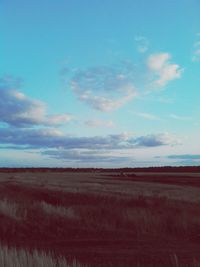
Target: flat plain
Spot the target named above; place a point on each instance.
(99, 218)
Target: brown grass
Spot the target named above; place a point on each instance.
(12, 257)
(100, 230)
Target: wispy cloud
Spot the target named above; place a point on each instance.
(162, 69)
(142, 44)
(147, 116)
(185, 156)
(18, 110)
(99, 123)
(180, 118)
(104, 88)
(196, 49)
(105, 104)
(108, 88)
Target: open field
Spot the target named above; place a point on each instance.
(100, 218)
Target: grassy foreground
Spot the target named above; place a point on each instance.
(46, 227)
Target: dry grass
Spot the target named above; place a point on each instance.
(12, 257)
(12, 209)
(8, 208)
(196, 263)
(68, 223)
(60, 211)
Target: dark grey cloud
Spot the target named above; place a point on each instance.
(18, 110)
(155, 140)
(85, 156)
(53, 138)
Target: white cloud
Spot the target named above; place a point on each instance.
(99, 123)
(142, 44)
(162, 69)
(157, 61)
(18, 110)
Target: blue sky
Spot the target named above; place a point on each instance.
(106, 83)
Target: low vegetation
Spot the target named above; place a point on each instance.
(55, 227)
(12, 257)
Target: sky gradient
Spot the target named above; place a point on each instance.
(106, 83)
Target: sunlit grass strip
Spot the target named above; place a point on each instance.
(59, 210)
(12, 257)
(9, 209)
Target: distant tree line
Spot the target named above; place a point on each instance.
(147, 169)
